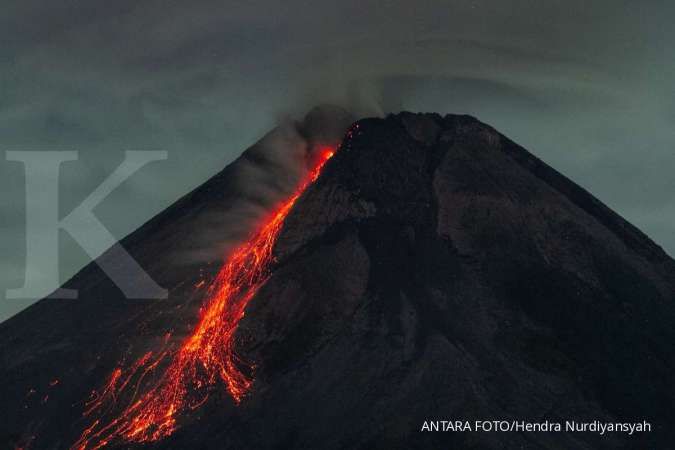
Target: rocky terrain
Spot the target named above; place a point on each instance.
(435, 271)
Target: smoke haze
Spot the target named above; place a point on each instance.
(586, 86)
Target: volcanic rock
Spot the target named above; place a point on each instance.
(434, 271)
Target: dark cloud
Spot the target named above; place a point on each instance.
(587, 86)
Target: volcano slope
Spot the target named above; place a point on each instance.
(434, 271)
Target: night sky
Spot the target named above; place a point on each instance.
(588, 86)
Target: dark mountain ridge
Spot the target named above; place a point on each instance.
(435, 271)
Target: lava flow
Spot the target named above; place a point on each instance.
(206, 358)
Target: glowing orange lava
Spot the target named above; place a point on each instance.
(205, 359)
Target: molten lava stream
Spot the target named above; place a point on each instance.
(206, 358)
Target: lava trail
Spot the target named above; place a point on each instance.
(205, 359)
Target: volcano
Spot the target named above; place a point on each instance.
(419, 268)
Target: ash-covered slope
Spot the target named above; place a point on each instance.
(434, 271)
(56, 352)
(437, 270)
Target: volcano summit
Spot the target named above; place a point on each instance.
(430, 270)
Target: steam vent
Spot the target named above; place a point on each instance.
(417, 267)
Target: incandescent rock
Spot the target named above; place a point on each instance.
(434, 271)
